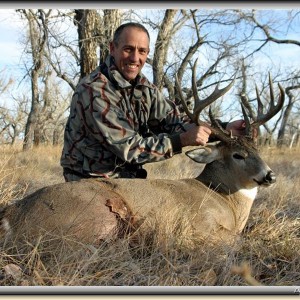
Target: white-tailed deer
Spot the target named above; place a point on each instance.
(216, 203)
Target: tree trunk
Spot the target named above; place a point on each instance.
(161, 47)
(32, 121)
(55, 139)
(37, 44)
(86, 20)
(111, 21)
(284, 121)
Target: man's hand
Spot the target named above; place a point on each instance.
(195, 135)
(199, 135)
(236, 127)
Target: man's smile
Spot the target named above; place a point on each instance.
(132, 66)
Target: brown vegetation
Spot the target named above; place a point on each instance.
(267, 252)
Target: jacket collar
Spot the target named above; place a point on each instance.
(116, 77)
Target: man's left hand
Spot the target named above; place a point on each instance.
(237, 127)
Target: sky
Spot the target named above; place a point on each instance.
(11, 50)
(11, 28)
(10, 31)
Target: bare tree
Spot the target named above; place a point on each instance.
(90, 47)
(13, 120)
(222, 38)
(37, 42)
(165, 33)
(287, 112)
(87, 21)
(171, 56)
(54, 112)
(111, 20)
(4, 84)
(266, 29)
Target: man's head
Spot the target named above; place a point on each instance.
(130, 48)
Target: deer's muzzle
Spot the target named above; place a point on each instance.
(270, 178)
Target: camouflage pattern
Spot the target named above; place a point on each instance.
(113, 123)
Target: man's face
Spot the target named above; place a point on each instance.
(131, 52)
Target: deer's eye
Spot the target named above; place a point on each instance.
(238, 156)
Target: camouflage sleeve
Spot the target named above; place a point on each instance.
(107, 121)
(165, 117)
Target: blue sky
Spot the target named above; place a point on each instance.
(11, 47)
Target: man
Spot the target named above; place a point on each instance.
(119, 120)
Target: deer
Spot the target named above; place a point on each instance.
(217, 203)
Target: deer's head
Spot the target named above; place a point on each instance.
(236, 157)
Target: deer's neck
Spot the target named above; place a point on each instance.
(237, 198)
(215, 177)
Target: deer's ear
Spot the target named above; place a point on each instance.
(204, 155)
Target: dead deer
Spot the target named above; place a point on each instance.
(217, 203)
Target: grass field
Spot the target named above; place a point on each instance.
(267, 253)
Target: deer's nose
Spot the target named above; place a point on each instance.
(270, 177)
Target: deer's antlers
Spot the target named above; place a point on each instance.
(217, 130)
(261, 117)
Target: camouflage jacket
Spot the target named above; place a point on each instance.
(112, 121)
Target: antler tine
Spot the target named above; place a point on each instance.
(217, 93)
(194, 85)
(245, 105)
(182, 100)
(217, 130)
(247, 121)
(259, 102)
(199, 104)
(273, 109)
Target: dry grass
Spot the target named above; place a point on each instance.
(267, 252)
(30, 170)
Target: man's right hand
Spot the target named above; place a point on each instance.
(195, 135)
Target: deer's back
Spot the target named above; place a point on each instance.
(93, 210)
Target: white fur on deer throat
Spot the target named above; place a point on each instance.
(249, 193)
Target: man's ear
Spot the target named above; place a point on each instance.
(111, 47)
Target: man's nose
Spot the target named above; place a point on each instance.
(134, 55)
